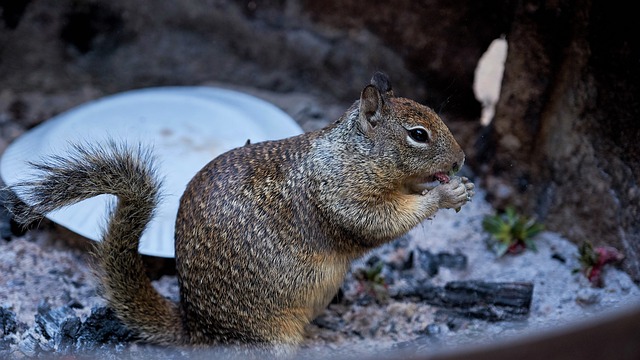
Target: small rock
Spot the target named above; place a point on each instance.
(432, 330)
(587, 297)
(456, 323)
(457, 261)
(559, 257)
(325, 322)
(365, 299)
(431, 263)
(428, 262)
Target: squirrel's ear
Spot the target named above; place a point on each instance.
(369, 108)
(381, 81)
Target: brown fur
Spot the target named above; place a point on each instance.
(265, 233)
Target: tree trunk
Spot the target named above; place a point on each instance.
(564, 140)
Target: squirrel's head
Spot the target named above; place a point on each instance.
(406, 136)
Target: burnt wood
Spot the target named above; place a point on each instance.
(492, 301)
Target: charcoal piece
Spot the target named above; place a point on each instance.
(431, 263)
(8, 324)
(457, 261)
(491, 301)
(65, 339)
(102, 327)
(407, 264)
(559, 257)
(428, 262)
(62, 331)
(50, 321)
(75, 304)
(29, 345)
(327, 322)
(511, 294)
(57, 329)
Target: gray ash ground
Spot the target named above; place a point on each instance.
(51, 303)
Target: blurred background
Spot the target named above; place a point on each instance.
(553, 129)
(562, 145)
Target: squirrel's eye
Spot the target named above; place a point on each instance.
(419, 135)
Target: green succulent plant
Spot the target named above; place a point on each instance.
(372, 282)
(510, 232)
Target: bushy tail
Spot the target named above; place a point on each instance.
(129, 174)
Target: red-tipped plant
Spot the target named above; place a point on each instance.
(593, 260)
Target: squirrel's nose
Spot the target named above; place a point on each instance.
(457, 165)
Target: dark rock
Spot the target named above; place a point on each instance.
(75, 304)
(457, 261)
(324, 321)
(431, 263)
(455, 323)
(428, 262)
(408, 264)
(559, 257)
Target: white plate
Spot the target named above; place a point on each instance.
(186, 126)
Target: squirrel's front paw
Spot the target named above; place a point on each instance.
(455, 193)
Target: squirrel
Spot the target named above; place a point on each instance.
(266, 232)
